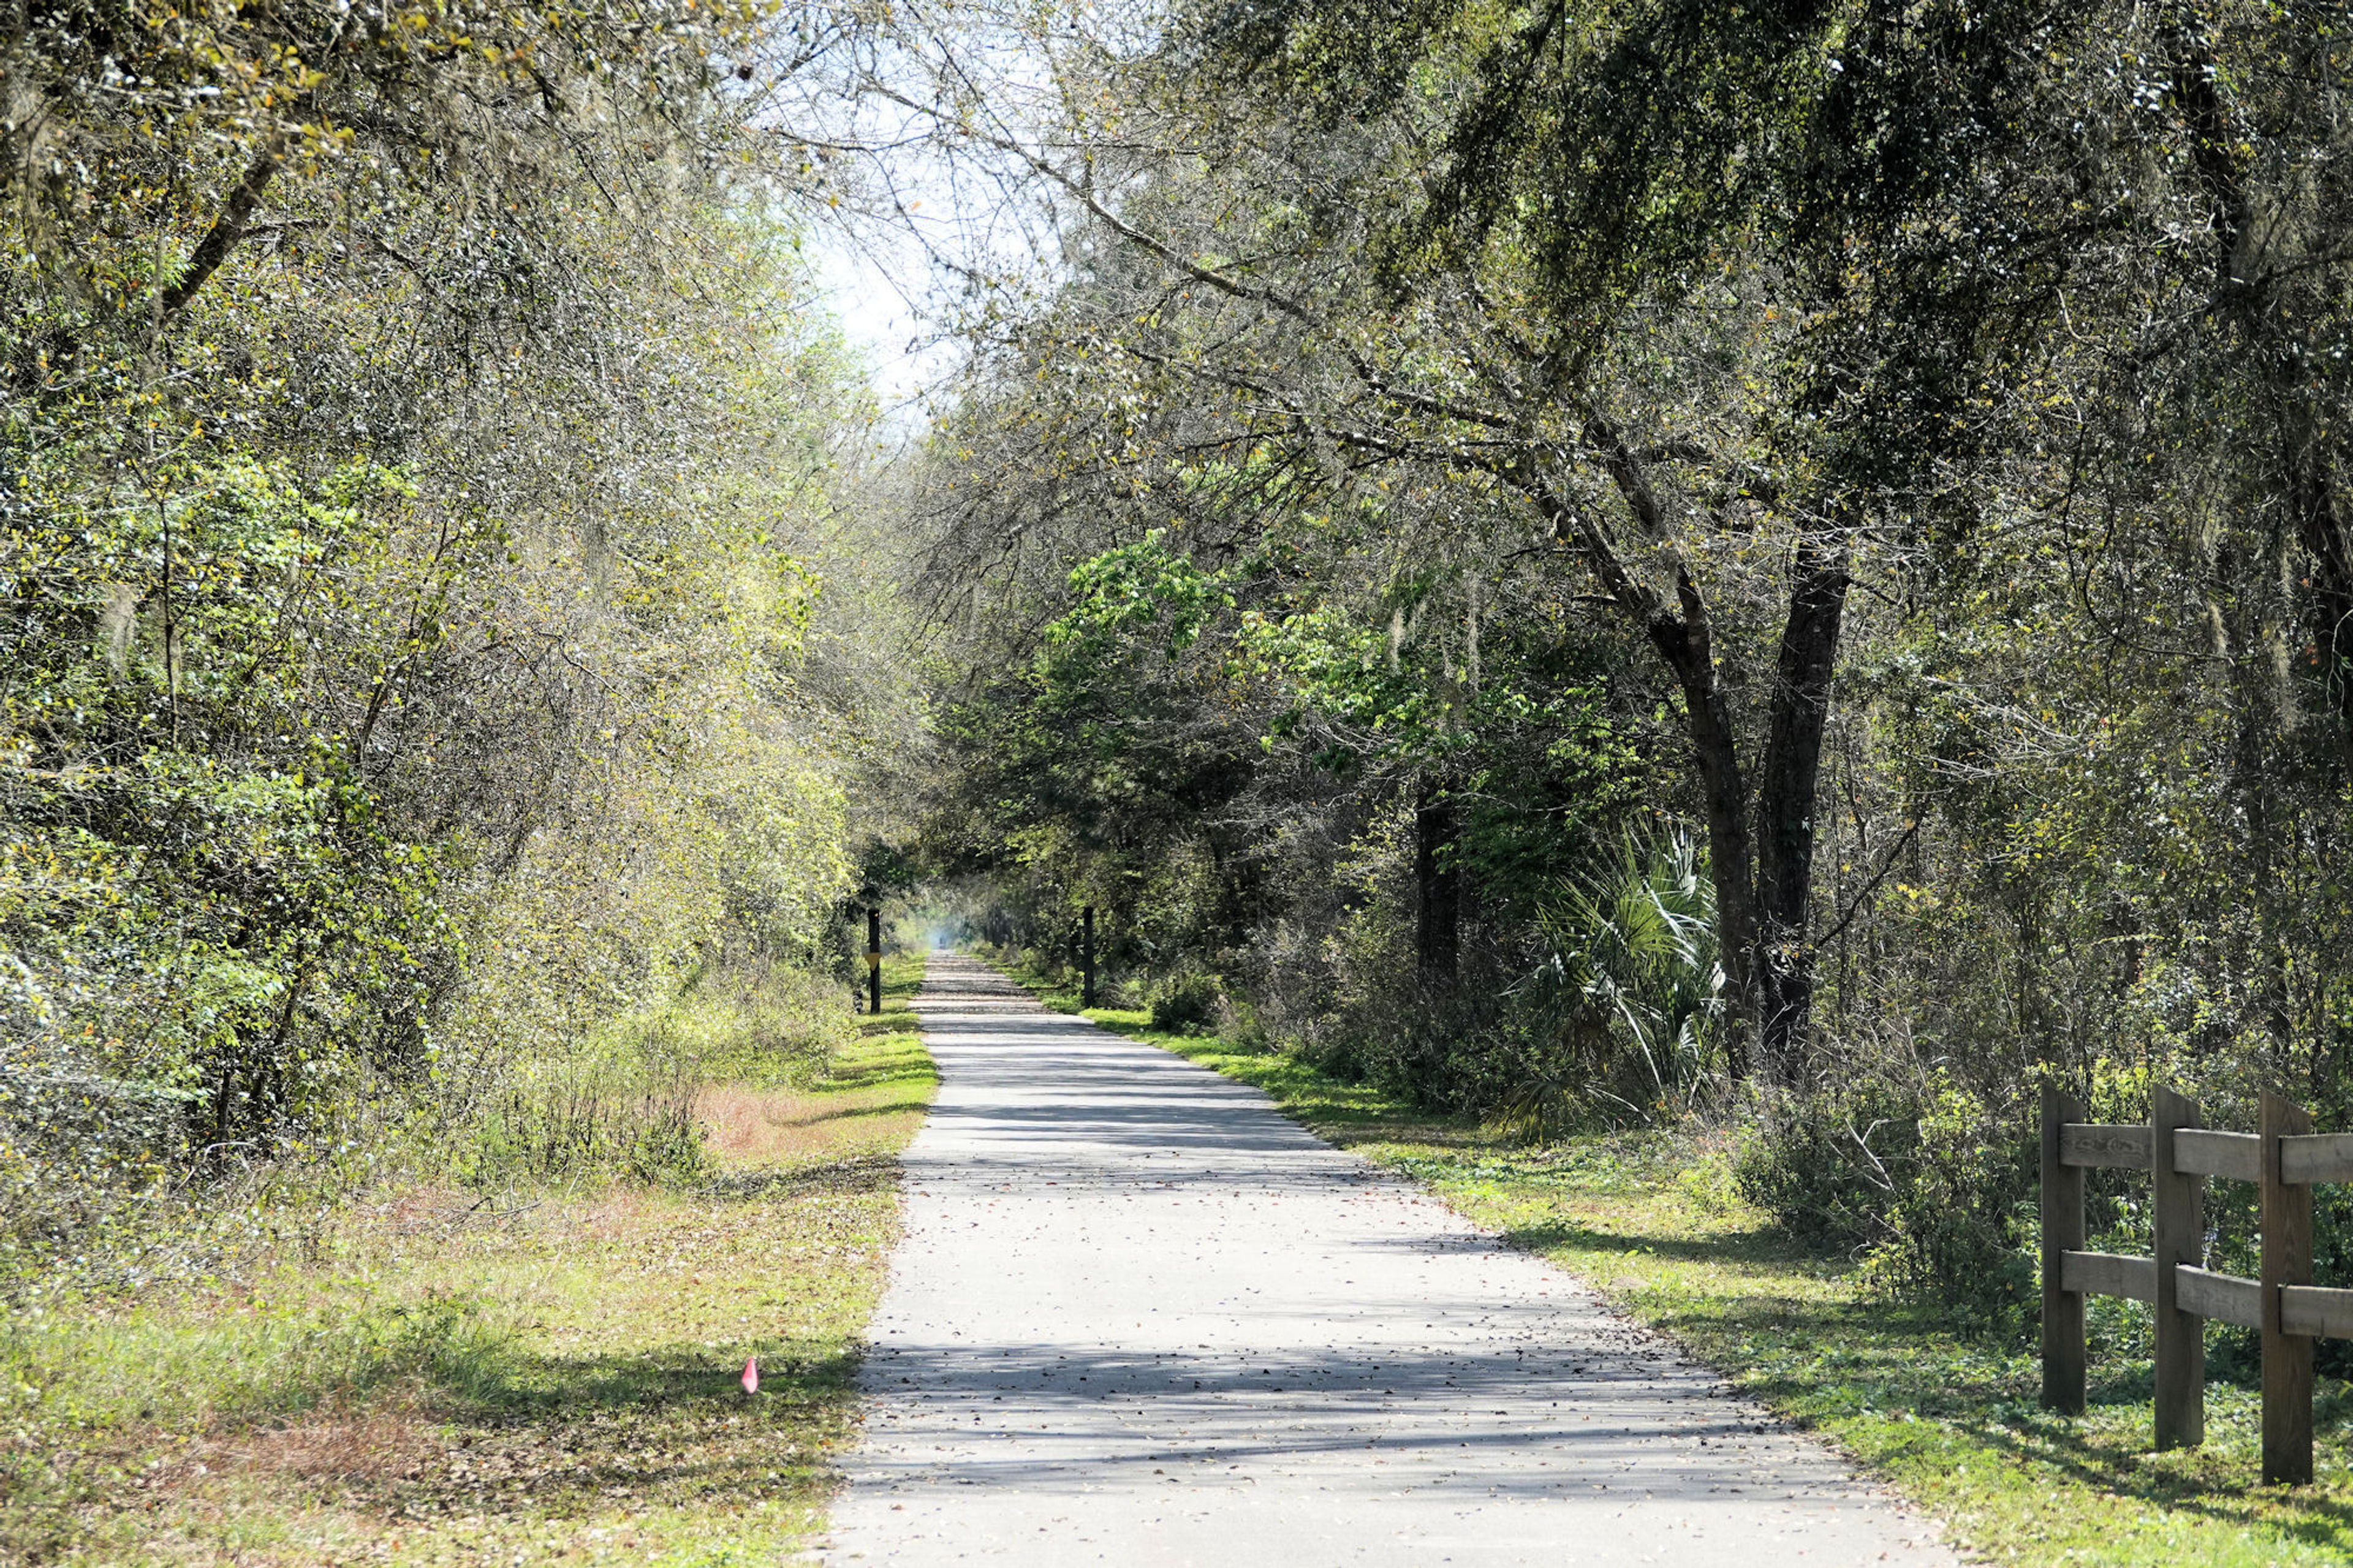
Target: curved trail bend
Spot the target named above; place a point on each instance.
(1139, 1317)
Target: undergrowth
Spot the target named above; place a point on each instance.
(530, 1372)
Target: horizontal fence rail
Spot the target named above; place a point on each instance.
(2285, 1161)
(2106, 1274)
(2317, 1157)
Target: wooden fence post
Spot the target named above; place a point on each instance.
(2063, 1231)
(874, 958)
(2287, 1260)
(2181, 1223)
(1087, 959)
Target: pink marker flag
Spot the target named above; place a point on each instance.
(750, 1374)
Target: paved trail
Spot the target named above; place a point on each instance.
(1141, 1319)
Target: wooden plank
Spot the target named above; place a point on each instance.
(2109, 1274)
(2236, 1156)
(2097, 1144)
(2179, 1237)
(2225, 1297)
(2316, 1312)
(2063, 1353)
(2317, 1157)
(2287, 1261)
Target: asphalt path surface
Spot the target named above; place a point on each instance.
(1140, 1317)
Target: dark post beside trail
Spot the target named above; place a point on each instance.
(2287, 1260)
(2064, 1351)
(874, 958)
(2180, 1227)
(1087, 957)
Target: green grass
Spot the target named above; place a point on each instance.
(547, 1376)
(1947, 1417)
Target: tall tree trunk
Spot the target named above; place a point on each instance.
(1686, 643)
(1438, 887)
(1785, 830)
(2311, 496)
(1684, 636)
(236, 210)
(1764, 885)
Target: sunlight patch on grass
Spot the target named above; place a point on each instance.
(864, 1105)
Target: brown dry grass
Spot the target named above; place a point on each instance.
(749, 1127)
(364, 1445)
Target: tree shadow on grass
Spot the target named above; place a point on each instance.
(2118, 1464)
(465, 1424)
(870, 1081)
(1756, 1247)
(850, 1114)
(872, 1172)
(564, 1438)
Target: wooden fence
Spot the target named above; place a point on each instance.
(2285, 1160)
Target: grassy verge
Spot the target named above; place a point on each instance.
(548, 1377)
(1948, 1417)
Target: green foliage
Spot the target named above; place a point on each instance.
(1136, 586)
(1218, 747)
(416, 678)
(1632, 989)
(1185, 1003)
(1929, 1190)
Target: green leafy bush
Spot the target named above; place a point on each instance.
(1185, 1002)
(1928, 1186)
(1629, 996)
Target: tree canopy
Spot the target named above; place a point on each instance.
(1890, 450)
(421, 467)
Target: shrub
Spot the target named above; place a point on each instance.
(1240, 1025)
(1185, 1003)
(1928, 1186)
(621, 1100)
(1630, 984)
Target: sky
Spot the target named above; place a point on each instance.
(917, 213)
(875, 286)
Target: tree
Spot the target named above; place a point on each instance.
(416, 460)
(1685, 284)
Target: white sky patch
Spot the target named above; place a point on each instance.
(877, 283)
(941, 217)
